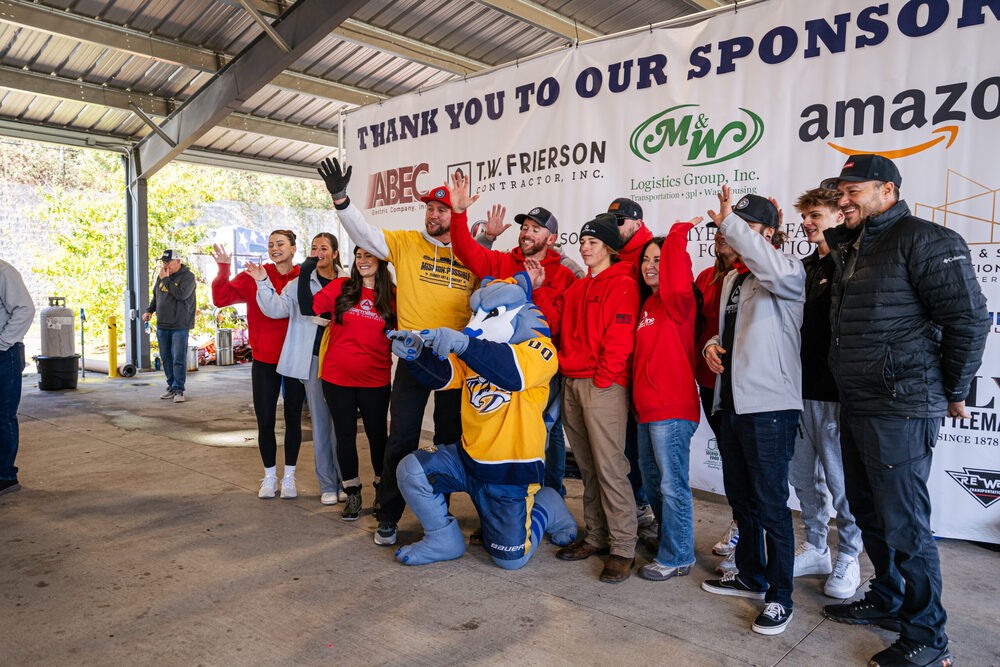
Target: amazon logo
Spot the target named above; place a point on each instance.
(938, 113)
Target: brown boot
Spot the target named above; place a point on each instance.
(617, 569)
(581, 550)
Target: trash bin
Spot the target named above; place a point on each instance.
(55, 373)
(192, 358)
(224, 347)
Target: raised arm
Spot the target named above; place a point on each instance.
(363, 234)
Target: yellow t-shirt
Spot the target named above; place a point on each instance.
(432, 287)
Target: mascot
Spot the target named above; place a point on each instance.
(503, 361)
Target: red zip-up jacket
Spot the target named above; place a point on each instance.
(632, 251)
(595, 319)
(500, 264)
(266, 335)
(711, 295)
(663, 385)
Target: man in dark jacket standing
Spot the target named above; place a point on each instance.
(173, 303)
(909, 325)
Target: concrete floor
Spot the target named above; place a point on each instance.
(138, 538)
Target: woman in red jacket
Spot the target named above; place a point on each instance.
(356, 364)
(266, 338)
(666, 396)
(597, 332)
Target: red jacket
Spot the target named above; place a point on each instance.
(632, 251)
(266, 335)
(595, 319)
(711, 293)
(663, 385)
(499, 264)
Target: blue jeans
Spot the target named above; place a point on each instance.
(664, 456)
(11, 366)
(173, 354)
(755, 450)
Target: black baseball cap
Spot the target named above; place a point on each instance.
(540, 215)
(604, 227)
(625, 208)
(754, 208)
(865, 167)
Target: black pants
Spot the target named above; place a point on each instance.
(266, 383)
(406, 412)
(887, 461)
(344, 403)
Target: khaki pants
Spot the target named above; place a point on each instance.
(595, 421)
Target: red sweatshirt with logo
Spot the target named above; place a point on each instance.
(663, 385)
(266, 335)
(357, 352)
(595, 321)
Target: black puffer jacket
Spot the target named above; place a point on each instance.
(817, 380)
(909, 323)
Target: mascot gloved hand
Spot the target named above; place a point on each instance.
(503, 362)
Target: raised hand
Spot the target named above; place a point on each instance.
(535, 271)
(405, 344)
(725, 207)
(256, 271)
(458, 192)
(220, 255)
(494, 222)
(335, 178)
(781, 214)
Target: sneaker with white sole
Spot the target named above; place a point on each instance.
(727, 545)
(653, 571)
(730, 584)
(644, 515)
(846, 578)
(328, 497)
(288, 489)
(268, 487)
(179, 397)
(167, 395)
(386, 533)
(810, 560)
(728, 564)
(342, 495)
(773, 620)
(352, 508)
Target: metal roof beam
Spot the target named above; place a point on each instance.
(75, 26)
(116, 98)
(708, 4)
(544, 18)
(408, 48)
(301, 27)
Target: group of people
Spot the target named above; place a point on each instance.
(831, 372)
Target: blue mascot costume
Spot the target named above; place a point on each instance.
(503, 361)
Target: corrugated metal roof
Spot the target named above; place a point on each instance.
(91, 59)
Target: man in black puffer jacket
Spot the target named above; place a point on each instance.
(909, 325)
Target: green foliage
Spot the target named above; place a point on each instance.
(84, 210)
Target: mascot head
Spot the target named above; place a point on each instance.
(502, 311)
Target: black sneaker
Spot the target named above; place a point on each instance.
(352, 508)
(9, 486)
(386, 534)
(861, 612)
(730, 584)
(907, 653)
(773, 620)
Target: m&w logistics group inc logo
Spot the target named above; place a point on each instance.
(693, 132)
(983, 485)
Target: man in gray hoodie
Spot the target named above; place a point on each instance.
(16, 314)
(174, 304)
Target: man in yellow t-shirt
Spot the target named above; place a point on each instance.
(433, 290)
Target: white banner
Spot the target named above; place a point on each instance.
(768, 99)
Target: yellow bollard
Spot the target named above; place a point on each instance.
(113, 347)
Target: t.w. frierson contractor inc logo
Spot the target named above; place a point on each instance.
(983, 485)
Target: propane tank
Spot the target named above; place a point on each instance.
(58, 336)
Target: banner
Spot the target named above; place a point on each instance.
(768, 99)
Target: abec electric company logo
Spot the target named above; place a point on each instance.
(705, 140)
(931, 117)
(395, 186)
(983, 485)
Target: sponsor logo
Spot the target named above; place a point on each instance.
(395, 186)
(943, 108)
(704, 143)
(983, 485)
(366, 304)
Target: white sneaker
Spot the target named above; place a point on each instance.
(846, 578)
(288, 489)
(167, 395)
(728, 564)
(644, 516)
(342, 495)
(727, 545)
(810, 560)
(328, 498)
(179, 397)
(268, 486)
